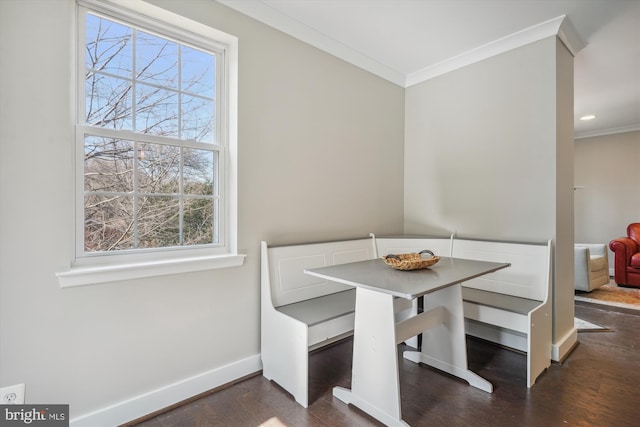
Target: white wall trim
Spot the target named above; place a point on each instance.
(260, 11)
(512, 41)
(603, 132)
(276, 19)
(168, 395)
(95, 274)
(569, 37)
(562, 347)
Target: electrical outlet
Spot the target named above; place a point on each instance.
(12, 395)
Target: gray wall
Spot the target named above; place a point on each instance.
(480, 148)
(321, 157)
(488, 154)
(564, 334)
(608, 167)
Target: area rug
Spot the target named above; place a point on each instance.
(613, 295)
(584, 326)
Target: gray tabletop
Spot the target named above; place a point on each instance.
(376, 275)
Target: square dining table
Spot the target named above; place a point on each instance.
(375, 383)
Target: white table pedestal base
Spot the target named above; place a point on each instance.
(375, 349)
(347, 396)
(444, 346)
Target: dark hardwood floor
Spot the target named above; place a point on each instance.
(597, 385)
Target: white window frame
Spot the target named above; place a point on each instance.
(101, 267)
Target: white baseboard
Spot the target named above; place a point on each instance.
(168, 395)
(561, 348)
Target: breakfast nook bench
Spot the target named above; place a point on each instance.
(301, 313)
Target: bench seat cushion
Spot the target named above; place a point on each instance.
(501, 301)
(321, 309)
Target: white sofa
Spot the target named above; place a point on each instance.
(591, 266)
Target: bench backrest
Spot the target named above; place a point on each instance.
(440, 246)
(528, 277)
(286, 266)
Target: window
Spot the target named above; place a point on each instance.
(150, 143)
(154, 144)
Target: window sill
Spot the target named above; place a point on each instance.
(83, 276)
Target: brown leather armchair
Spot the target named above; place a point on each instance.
(627, 257)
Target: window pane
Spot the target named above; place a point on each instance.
(197, 119)
(198, 175)
(108, 46)
(108, 165)
(158, 168)
(198, 221)
(156, 60)
(141, 191)
(158, 222)
(107, 102)
(156, 111)
(198, 72)
(108, 223)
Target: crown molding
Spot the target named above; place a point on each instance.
(569, 36)
(604, 132)
(560, 27)
(267, 15)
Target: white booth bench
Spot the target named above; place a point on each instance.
(511, 307)
(300, 313)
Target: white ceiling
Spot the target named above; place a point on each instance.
(407, 41)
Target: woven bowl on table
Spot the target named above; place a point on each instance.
(411, 261)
